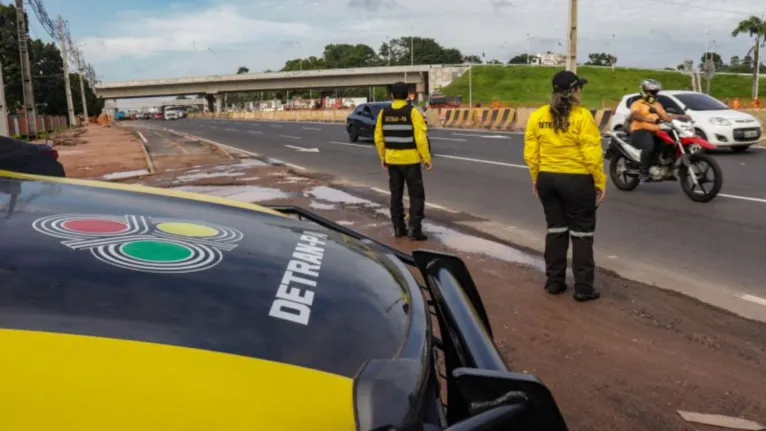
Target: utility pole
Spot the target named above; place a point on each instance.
(84, 100)
(571, 64)
(67, 85)
(30, 110)
(4, 130)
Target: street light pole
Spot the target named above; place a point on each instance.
(528, 60)
(572, 39)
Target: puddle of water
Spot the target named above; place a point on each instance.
(237, 193)
(321, 206)
(249, 163)
(296, 178)
(472, 244)
(203, 175)
(329, 194)
(249, 179)
(345, 223)
(126, 174)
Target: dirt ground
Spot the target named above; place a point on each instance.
(625, 362)
(169, 151)
(98, 151)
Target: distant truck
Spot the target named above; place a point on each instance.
(442, 101)
(119, 116)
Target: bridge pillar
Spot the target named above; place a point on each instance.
(219, 103)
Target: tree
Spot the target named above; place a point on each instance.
(756, 28)
(242, 70)
(474, 59)
(343, 56)
(519, 59)
(47, 68)
(601, 59)
(494, 61)
(311, 63)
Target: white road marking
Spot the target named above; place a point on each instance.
(141, 135)
(428, 204)
(288, 164)
(290, 137)
(257, 132)
(274, 125)
(482, 136)
(755, 299)
(743, 198)
(213, 127)
(438, 138)
(311, 128)
(230, 130)
(351, 145)
(489, 162)
(302, 149)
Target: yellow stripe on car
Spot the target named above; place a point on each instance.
(69, 382)
(141, 189)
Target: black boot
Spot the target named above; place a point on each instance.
(590, 296)
(400, 229)
(416, 233)
(555, 288)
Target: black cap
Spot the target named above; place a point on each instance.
(567, 81)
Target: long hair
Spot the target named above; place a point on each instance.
(561, 106)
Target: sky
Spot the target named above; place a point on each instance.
(142, 39)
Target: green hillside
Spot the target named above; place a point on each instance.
(531, 86)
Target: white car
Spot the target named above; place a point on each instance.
(171, 115)
(717, 123)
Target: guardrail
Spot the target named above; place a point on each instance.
(500, 119)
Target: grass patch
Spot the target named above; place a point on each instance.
(531, 86)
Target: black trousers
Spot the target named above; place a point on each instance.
(644, 140)
(412, 177)
(569, 203)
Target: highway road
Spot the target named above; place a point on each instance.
(655, 234)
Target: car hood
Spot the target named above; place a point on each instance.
(144, 265)
(737, 117)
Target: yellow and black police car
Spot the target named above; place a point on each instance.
(125, 307)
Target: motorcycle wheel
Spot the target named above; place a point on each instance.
(704, 165)
(619, 178)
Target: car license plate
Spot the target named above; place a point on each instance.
(751, 134)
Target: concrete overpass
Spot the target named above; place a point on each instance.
(140, 104)
(425, 79)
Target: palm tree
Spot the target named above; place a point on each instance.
(242, 70)
(756, 28)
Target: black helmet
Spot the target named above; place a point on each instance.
(649, 89)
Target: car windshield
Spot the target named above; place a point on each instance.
(375, 109)
(701, 102)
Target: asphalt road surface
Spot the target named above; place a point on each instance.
(654, 234)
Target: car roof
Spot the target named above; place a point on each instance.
(143, 265)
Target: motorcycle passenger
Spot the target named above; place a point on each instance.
(645, 115)
(562, 147)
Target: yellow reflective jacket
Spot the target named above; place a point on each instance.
(576, 151)
(404, 157)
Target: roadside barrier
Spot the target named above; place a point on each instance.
(17, 124)
(500, 119)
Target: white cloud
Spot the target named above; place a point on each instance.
(263, 34)
(188, 31)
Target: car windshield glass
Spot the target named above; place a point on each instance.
(700, 102)
(376, 109)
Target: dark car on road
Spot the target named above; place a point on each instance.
(160, 309)
(28, 158)
(361, 122)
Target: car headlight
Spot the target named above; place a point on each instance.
(718, 121)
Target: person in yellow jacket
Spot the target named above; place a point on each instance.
(562, 147)
(402, 142)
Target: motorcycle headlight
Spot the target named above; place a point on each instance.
(718, 121)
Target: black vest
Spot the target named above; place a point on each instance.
(398, 133)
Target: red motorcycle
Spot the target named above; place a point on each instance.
(679, 156)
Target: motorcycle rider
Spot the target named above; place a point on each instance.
(645, 115)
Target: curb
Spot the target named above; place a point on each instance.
(145, 149)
